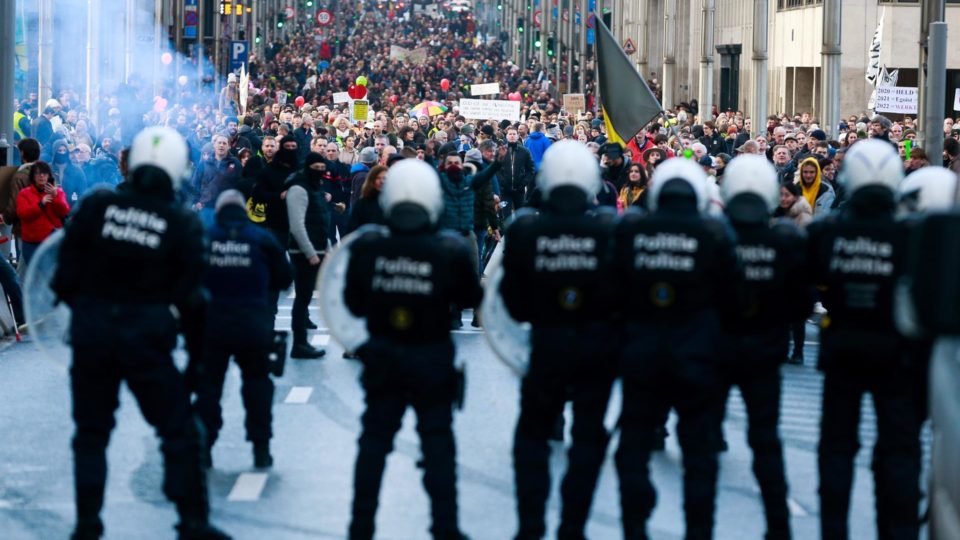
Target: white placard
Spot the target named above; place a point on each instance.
(956, 99)
(897, 99)
(341, 97)
(492, 109)
(484, 89)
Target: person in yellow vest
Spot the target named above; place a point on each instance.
(21, 122)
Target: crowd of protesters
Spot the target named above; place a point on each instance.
(488, 166)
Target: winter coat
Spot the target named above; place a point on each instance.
(537, 143)
(37, 221)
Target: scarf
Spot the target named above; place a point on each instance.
(810, 193)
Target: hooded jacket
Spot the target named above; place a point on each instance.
(537, 143)
(820, 195)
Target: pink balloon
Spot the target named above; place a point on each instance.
(159, 105)
(445, 84)
(514, 96)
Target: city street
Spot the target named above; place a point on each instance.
(307, 493)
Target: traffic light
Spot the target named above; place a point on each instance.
(499, 6)
(520, 24)
(280, 19)
(309, 3)
(536, 40)
(551, 44)
(259, 36)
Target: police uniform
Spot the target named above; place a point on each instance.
(775, 294)
(126, 259)
(855, 259)
(679, 271)
(557, 277)
(403, 284)
(246, 266)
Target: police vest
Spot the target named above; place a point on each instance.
(17, 131)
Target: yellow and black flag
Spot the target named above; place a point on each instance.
(626, 100)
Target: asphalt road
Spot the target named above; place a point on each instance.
(308, 491)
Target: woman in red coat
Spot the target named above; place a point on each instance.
(41, 207)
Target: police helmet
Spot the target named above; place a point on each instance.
(569, 163)
(163, 148)
(230, 197)
(871, 163)
(687, 174)
(751, 175)
(411, 184)
(930, 189)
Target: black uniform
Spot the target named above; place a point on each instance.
(404, 284)
(246, 268)
(856, 258)
(557, 277)
(678, 269)
(125, 260)
(775, 295)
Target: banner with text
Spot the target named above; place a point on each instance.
(574, 102)
(414, 56)
(485, 89)
(897, 99)
(491, 109)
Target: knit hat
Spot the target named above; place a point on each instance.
(817, 134)
(473, 155)
(312, 158)
(467, 129)
(368, 156)
(488, 130)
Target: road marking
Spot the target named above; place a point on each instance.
(466, 331)
(320, 340)
(795, 509)
(299, 394)
(248, 487)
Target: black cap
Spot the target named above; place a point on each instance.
(612, 150)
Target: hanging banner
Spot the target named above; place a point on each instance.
(490, 109)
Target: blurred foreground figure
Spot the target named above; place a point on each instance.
(856, 258)
(403, 283)
(127, 258)
(682, 271)
(557, 277)
(776, 294)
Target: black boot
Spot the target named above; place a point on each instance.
(304, 351)
(89, 504)
(261, 455)
(194, 524)
(311, 325)
(88, 529)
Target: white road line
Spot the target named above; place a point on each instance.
(466, 331)
(299, 394)
(248, 487)
(320, 340)
(795, 509)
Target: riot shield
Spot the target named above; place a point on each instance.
(509, 339)
(49, 324)
(347, 329)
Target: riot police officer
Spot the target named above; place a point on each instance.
(246, 267)
(126, 259)
(775, 294)
(403, 284)
(855, 258)
(557, 277)
(680, 271)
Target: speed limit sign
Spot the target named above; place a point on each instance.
(324, 17)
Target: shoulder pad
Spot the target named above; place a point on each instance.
(720, 228)
(788, 228)
(372, 231)
(523, 216)
(605, 214)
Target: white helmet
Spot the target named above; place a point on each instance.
(930, 189)
(413, 181)
(751, 174)
(871, 163)
(161, 147)
(569, 163)
(679, 169)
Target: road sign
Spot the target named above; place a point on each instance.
(324, 17)
(566, 15)
(591, 36)
(288, 12)
(190, 19)
(238, 54)
(592, 21)
(629, 47)
(537, 17)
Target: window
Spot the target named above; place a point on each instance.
(794, 4)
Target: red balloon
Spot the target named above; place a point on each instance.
(356, 92)
(445, 84)
(299, 101)
(514, 96)
(393, 99)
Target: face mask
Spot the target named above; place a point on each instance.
(315, 175)
(453, 171)
(60, 159)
